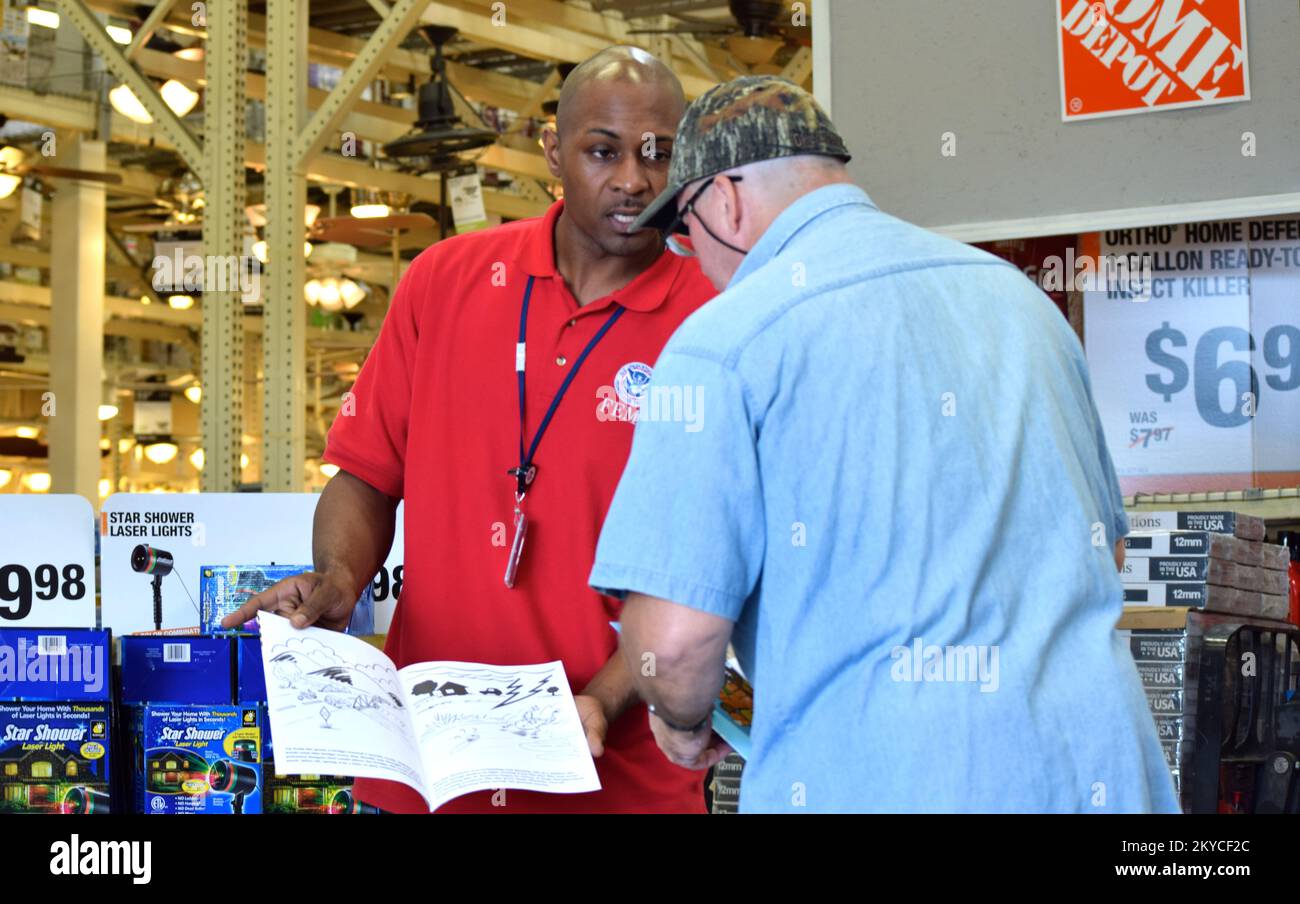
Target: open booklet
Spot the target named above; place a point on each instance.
(338, 706)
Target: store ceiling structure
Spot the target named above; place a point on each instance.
(502, 79)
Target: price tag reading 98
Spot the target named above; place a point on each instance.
(1279, 352)
(19, 586)
(383, 585)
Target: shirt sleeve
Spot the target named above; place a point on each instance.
(1113, 503)
(368, 437)
(686, 523)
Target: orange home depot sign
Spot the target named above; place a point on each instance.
(1134, 56)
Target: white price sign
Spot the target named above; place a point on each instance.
(47, 563)
(168, 539)
(1198, 385)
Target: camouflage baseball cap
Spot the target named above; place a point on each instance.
(746, 120)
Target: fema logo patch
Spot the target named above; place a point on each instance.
(632, 382)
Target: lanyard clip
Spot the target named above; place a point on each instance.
(523, 478)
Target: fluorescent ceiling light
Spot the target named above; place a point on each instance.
(43, 17)
(125, 102)
(178, 96)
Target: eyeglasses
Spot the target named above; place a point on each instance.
(679, 227)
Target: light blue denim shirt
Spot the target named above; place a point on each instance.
(896, 484)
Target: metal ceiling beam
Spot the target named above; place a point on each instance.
(92, 30)
(392, 30)
(224, 223)
(283, 349)
(151, 23)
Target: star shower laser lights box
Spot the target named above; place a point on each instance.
(54, 757)
(55, 720)
(59, 664)
(200, 759)
(224, 588)
(177, 670)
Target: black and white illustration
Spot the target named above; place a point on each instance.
(339, 706)
(523, 711)
(322, 683)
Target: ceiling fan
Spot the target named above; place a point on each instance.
(15, 165)
(181, 196)
(754, 37)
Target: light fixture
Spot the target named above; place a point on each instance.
(161, 453)
(105, 444)
(10, 158)
(194, 54)
(333, 294)
(259, 250)
(5, 476)
(42, 17)
(194, 393)
(198, 459)
(105, 487)
(125, 102)
(38, 482)
(331, 297)
(310, 213)
(178, 96)
(108, 403)
(351, 292)
(27, 432)
(181, 302)
(329, 470)
(124, 445)
(243, 460)
(366, 204)
(119, 34)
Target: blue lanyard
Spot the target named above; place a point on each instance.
(527, 471)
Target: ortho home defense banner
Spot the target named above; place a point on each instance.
(1198, 380)
(1135, 56)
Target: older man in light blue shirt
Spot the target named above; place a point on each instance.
(896, 501)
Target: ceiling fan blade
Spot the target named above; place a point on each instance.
(196, 226)
(60, 172)
(368, 232)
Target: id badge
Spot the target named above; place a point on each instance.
(516, 548)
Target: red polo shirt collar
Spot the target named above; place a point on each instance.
(535, 255)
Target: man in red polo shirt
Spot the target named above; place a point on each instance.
(437, 422)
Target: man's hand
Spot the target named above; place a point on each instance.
(305, 599)
(691, 750)
(594, 722)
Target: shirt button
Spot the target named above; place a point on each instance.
(561, 360)
(573, 323)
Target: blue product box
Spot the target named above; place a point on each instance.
(250, 686)
(224, 588)
(187, 670)
(326, 795)
(55, 664)
(54, 757)
(202, 759)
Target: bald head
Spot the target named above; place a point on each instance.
(618, 65)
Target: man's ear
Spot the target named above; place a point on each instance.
(551, 149)
(730, 198)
